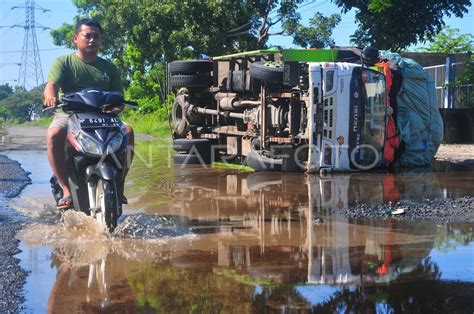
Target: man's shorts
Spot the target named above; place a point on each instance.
(60, 120)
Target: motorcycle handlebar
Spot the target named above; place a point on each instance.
(129, 103)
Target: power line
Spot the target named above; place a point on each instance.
(17, 51)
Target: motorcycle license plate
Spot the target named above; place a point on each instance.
(99, 122)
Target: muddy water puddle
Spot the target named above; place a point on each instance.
(221, 240)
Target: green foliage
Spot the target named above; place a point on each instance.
(151, 124)
(43, 121)
(463, 83)
(379, 5)
(153, 113)
(63, 35)
(450, 41)
(269, 13)
(21, 106)
(467, 77)
(395, 25)
(163, 30)
(318, 35)
(5, 91)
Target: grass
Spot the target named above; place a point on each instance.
(225, 165)
(149, 124)
(43, 121)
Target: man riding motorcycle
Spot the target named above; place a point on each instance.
(72, 73)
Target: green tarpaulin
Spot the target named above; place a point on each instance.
(419, 122)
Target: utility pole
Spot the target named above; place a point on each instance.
(31, 73)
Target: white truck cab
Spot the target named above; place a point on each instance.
(350, 101)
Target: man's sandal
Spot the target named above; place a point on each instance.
(65, 203)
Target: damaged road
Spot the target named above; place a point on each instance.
(12, 277)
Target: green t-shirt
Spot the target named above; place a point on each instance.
(73, 74)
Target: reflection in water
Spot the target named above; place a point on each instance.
(210, 240)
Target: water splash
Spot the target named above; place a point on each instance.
(152, 226)
(79, 240)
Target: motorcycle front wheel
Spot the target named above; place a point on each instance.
(106, 199)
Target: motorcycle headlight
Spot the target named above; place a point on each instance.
(115, 143)
(89, 145)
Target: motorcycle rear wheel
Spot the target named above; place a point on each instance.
(107, 200)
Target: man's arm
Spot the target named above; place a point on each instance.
(51, 94)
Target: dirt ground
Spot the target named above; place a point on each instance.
(457, 153)
(23, 138)
(32, 138)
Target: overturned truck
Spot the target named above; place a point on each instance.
(344, 109)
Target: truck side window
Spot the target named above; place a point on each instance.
(329, 81)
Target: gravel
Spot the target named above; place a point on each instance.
(13, 178)
(12, 277)
(438, 210)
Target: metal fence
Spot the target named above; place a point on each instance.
(438, 73)
(451, 97)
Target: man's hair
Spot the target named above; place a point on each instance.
(87, 22)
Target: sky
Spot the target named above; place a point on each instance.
(63, 11)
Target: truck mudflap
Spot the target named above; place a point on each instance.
(258, 161)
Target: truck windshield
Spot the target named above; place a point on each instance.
(373, 122)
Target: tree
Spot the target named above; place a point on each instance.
(164, 30)
(320, 32)
(395, 25)
(450, 41)
(269, 13)
(21, 105)
(5, 90)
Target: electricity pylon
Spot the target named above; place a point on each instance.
(31, 73)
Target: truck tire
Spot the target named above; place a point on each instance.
(195, 80)
(267, 72)
(185, 145)
(188, 159)
(190, 67)
(178, 116)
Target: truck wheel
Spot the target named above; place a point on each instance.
(107, 200)
(196, 80)
(188, 159)
(178, 115)
(267, 72)
(185, 145)
(190, 67)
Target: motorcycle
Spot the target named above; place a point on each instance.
(96, 145)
